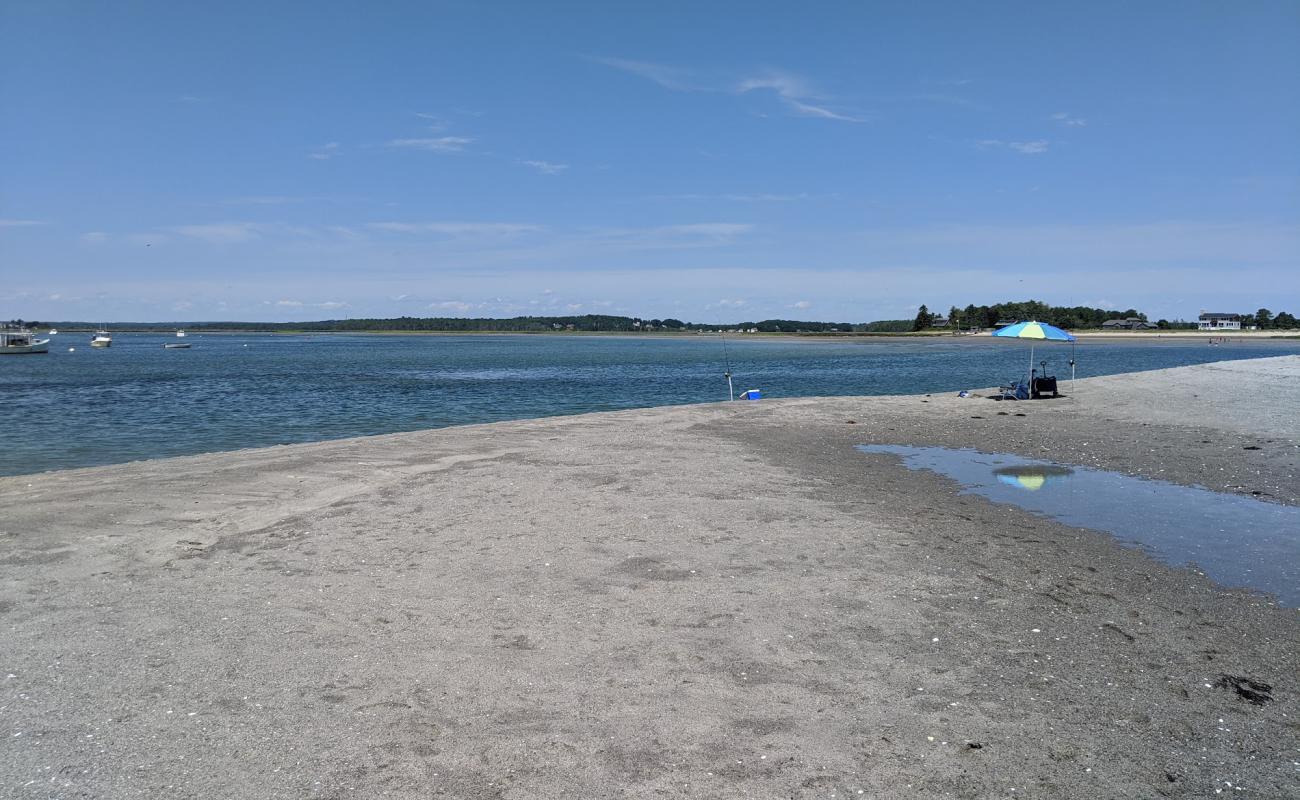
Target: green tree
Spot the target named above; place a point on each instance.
(922, 320)
(1264, 318)
(1284, 321)
(954, 317)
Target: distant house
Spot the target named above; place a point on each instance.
(1213, 321)
(1128, 324)
(938, 322)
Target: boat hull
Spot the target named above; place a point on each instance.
(25, 349)
(101, 344)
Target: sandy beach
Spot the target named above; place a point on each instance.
(719, 600)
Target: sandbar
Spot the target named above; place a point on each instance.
(719, 600)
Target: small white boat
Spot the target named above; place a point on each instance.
(53, 332)
(16, 340)
(180, 334)
(177, 346)
(102, 338)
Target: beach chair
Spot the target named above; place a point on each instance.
(1013, 390)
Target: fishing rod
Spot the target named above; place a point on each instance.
(726, 357)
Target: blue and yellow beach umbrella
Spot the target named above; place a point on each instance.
(1033, 331)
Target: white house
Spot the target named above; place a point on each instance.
(1210, 321)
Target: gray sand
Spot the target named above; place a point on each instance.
(709, 601)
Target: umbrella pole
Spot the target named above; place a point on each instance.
(1029, 378)
(1072, 352)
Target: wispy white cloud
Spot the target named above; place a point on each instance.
(795, 93)
(1069, 120)
(504, 229)
(21, 223)
(718, 230)
(1137, 246)
(221, 232)
(326, 151)
(438, 144)
(328, 305)
(739, 197)
(546, 167)
(802, 305)
(1030, 148)
(263, 200)
(792, 90)
(436, 123)
(454, 305)
(668, 77)
(701, 234)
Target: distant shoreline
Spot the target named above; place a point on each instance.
(1095, 335)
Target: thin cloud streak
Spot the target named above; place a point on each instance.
(740, 197)
(666, 76)
(791, 90)
(1030, 148)
(440, 144)
(546, 167)
(795, 93)
(326, 152)
(221, 232)
(1069, 120)
(502, 229)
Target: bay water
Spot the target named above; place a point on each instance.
(137, 400)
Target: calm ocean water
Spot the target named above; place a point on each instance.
(136, 400)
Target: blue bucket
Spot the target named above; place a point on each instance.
(752, 394)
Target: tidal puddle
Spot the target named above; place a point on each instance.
(1237, 541)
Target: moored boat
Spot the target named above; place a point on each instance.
(102, 338)
(16, 340)
(180, 334)
(177, 346)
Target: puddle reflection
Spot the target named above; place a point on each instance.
(1031, 476)
(1237, 541)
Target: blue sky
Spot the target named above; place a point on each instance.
(707, 161)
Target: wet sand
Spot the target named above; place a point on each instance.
(707, 601)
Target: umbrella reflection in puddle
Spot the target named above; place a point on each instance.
(1032, 476)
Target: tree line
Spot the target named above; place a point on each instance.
(1069, 317)
(972, 316)
(1267, 320)
(603, 323)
